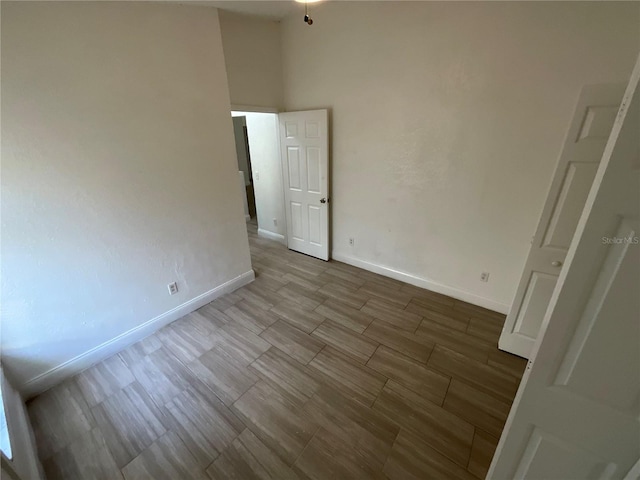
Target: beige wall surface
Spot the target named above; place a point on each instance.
(119, 175)
(253, 59)
(447, 122)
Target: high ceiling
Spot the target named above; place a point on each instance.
(264, 8)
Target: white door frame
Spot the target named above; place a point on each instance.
(264, 228)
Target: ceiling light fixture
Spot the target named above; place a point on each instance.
(307, 19)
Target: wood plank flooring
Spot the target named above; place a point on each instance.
(316, 370)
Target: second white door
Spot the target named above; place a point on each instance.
(304, 144)
(584, 144)
(577, 412)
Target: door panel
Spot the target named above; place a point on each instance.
(584, 144)
(314, 170)
(296, 221)
(577, 411)
(305, 145)
(536, 299)
(291, 129)
(610, 318)
(315, 217)
(544, 449)
(312, 129)
(566, 212)
(293, 161)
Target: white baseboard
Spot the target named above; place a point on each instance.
(423, 283)
(272, 236)
(77, 364)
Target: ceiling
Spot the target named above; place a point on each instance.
(275, 10)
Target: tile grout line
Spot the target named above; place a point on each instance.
(393, 444)
(262, 293)
(319, 352)
(380, 392)
(305, 447)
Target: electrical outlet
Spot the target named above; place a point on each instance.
(275, 222)
(484, 277)
(351, 241)
(173, 288)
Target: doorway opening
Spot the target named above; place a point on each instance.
(244, 164)
(283, 168)
(260, 172)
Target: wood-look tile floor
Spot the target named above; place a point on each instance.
(315, 370)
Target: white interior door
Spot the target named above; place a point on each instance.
(585, 141)
(576, 414)
(304, 143)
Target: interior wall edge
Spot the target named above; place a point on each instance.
(57, 374)
(423, 283)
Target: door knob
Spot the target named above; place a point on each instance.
(556, 263)
(324, 200)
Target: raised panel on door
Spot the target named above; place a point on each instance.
(312, 129)
(297, 224)
(291, 129)
(584, 144)
(314, 170)
(315, 228)
(549, 457)
(610, 319)
(566, 212)
(293, 164)
(537, 296)
(597, 122)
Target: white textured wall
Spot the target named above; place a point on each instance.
(447, 121)
(119, 173)
(253, 59)
(262, 130)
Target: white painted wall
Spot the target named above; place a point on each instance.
(447, 121)
(262, 130)
(119, 176)
(253, 59)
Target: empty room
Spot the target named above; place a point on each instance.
(320, 240)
